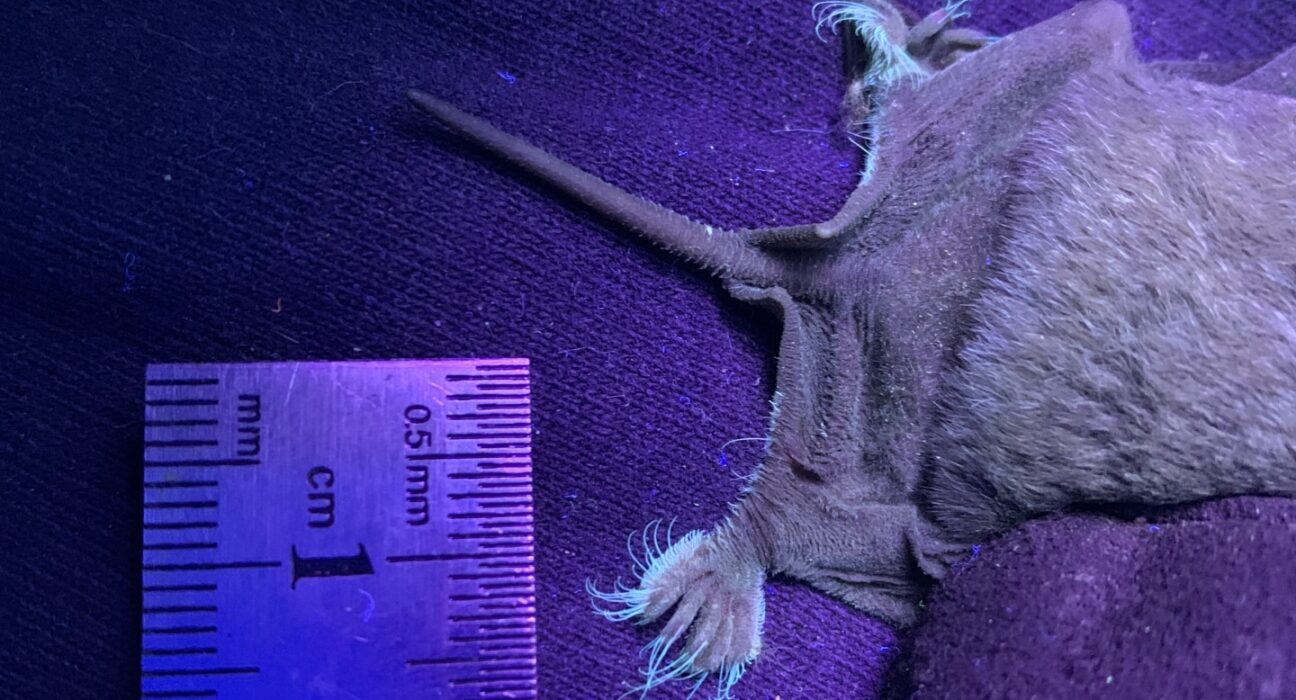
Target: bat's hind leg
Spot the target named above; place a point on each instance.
(708, 582)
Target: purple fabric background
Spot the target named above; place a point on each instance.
(245, 158)
(1194, 603)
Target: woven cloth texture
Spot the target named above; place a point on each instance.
(221, 181)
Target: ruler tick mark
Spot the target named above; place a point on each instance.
(180, 443)
(182, 525)
(162, 609)
(490, 637)
(488, 494)
(482, 535)
(178, 672)
(179, 484)
(482, 417)
(444, 457)
(179, 651)
(158, 463)
(503, 565)
(484, 516)
(490, 617)
(189, 587)
(491, 596)
(457, 660)
(509, 689)
(181, 423)
(195, 381)
(485, 475)
(185, 629)
(170, 546)
(488, 679)
(193, 505)
(213, 566)
(493, 366)
(181, 402)
(474, 377)
(487, 577)
(507, 485)
(411, 558)
(511, 526)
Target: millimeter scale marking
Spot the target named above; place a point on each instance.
(339, 530)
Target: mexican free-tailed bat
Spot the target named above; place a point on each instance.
(1067, 278)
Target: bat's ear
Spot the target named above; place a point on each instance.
(936, 44)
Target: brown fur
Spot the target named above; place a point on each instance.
(1138, 343)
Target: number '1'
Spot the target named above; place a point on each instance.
(324, 567)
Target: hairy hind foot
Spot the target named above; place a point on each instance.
(713, 590)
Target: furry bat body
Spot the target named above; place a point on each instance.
(1066, 279)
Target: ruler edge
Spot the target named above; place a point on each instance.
(151, 369)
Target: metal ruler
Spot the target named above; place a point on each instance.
(339, 530)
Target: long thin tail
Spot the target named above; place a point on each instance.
(726, 253)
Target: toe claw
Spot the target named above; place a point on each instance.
(716, 596)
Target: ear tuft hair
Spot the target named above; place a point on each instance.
(883, 32)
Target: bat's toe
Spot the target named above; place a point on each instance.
(715, 602)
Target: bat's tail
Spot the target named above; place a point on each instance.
(726, 253)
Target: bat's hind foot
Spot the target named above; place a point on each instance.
(712, 590)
